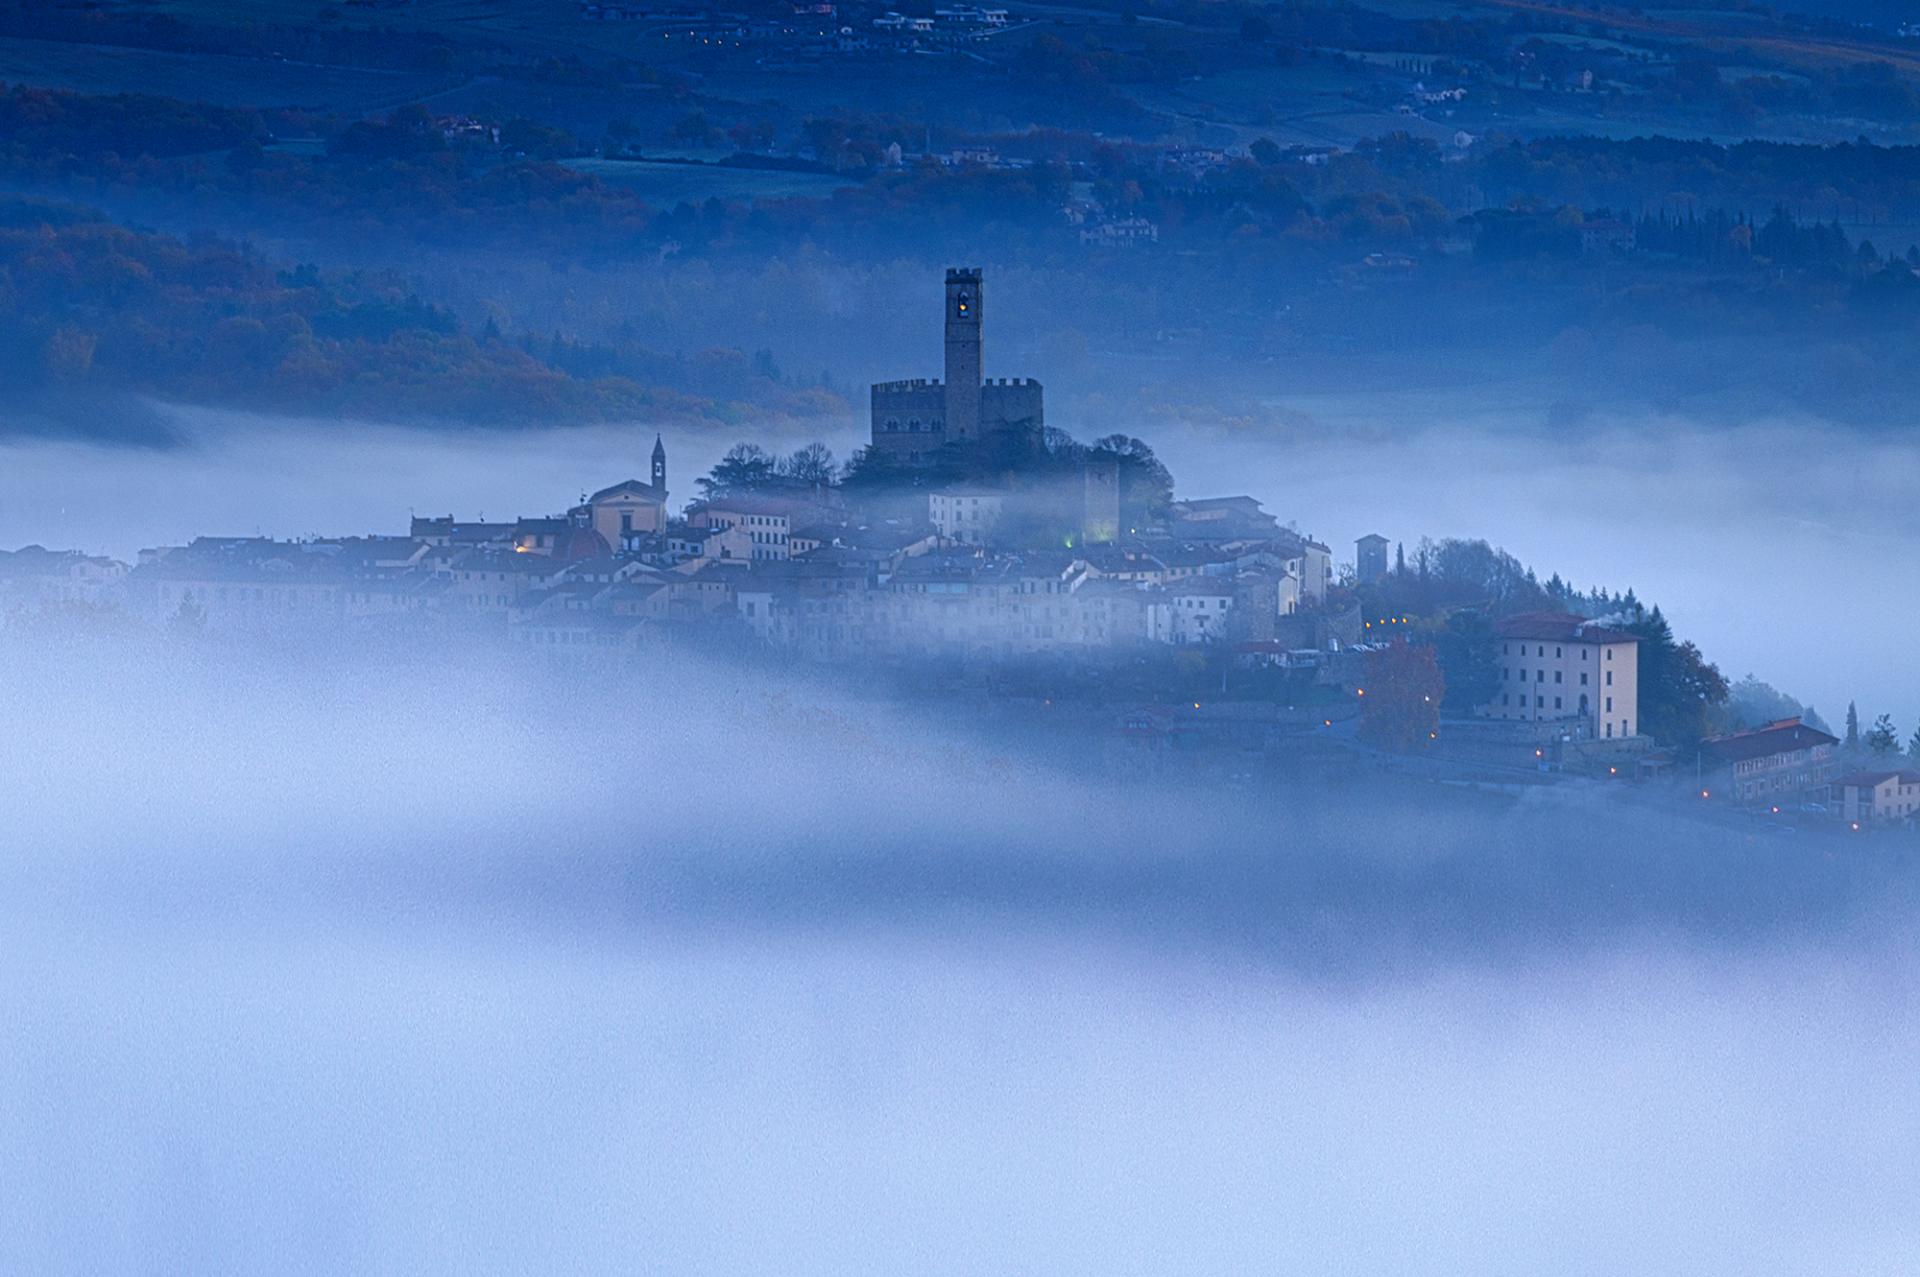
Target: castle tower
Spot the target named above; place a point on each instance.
(1100, 502)
(1370, 558)
(660, 467)
(963, 353)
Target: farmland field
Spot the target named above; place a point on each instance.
(226, 81)
(667, 184)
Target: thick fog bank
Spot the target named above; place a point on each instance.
(1785, 549)
(239, 474)
(342, 965)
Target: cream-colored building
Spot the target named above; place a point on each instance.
(1766, 764)
(628, 507)
(1880, 797)
(767, 521)
(965, 516)
(1191, 613)
(1558, 667)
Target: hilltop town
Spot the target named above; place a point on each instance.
(971, 550)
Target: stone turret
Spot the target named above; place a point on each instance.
(914, 420)
(964, 353)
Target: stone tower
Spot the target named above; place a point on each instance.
(659, 467)
(963, 353)
(914, 421)
(1099, 502)
(1370, 558)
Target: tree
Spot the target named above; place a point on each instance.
(1679, 688)
(811, 464)
(1853, 726)
(1467, 652)
(694, 129)
(1913, 747)
(1751, 702)
(1146, 485)
(1402, 697)
(1883, 740)
(1265, 151)
(746, 465)
(541, 141)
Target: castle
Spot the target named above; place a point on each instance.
(913, 420)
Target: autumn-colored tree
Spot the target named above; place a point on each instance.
(1401, 699)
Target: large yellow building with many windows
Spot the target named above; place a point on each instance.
(1559, 667)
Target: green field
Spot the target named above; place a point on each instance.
(1303, 106)
(664, 185)
(226, 81)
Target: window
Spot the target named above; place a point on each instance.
(1583, 678)
(1557, 676)
(1556, 702)
(1539, 702)
(1609, 704)
(1539, 676)
(1609, 731)
(1609, 678)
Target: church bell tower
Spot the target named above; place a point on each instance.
(963, 353)
(660, 467)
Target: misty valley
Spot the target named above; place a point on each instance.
(1136, 637)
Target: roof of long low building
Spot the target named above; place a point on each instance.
(1560, 627)
(1874, 779)
(1781, 737)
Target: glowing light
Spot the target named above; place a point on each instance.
(1359, 691)
(1705, 794)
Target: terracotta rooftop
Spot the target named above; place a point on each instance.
(1870, 779)
(1784, 736)
(1560, 627)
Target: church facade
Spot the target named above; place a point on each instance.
(913, 420)
(631, 506)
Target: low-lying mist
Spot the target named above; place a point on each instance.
(362, 962)
(1783, 548)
